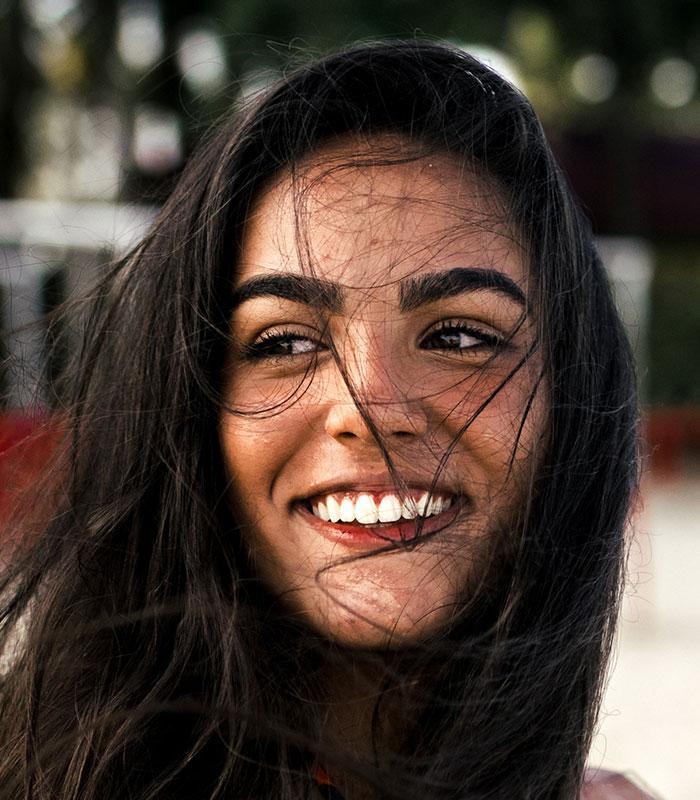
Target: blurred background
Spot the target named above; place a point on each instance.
(101, 101)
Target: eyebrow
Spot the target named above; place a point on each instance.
(299, 288)
(413, 292)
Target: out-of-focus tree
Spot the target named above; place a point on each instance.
(154, 74)
(16, 81)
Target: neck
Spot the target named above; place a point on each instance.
(353, 726)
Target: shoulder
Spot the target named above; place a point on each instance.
(599, 784)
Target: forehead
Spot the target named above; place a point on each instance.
(372, 214)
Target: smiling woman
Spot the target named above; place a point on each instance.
(349, 456)
(403, 316)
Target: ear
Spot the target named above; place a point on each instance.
(599, 784)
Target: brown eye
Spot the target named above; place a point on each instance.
(282, 344)
(459, 336)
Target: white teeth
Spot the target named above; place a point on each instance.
(322, 511)
(347, 510)
(408, 508)
(389, 508)
(333, 507)
(434, 507)
(366, 510)
(422, 505)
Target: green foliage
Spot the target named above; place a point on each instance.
(675, 327)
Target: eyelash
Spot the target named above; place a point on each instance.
(264, 346)
(449, 327)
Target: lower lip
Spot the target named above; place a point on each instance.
(366, 537)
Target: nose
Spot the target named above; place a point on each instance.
(394, 407)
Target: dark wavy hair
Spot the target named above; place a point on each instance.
(142, 658)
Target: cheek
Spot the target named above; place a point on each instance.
(259, 427)
(504, 422)
(508, 428)
(251, 448)
(260, 394)
(255, 448)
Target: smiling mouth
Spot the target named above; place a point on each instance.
(370, 520)
(372, 509)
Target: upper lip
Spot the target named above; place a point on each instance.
(376, 485)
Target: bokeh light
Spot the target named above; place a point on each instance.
(594, 78)
(497, 60)
(47, 13)
(673, 82)
(140, 37)
(156, 146)
(201, 60)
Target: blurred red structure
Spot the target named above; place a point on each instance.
(670, 434)
(27, 441)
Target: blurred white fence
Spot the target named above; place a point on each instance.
(48, 252)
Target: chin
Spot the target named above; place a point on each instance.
(377, 616)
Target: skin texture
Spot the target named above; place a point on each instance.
(292, 424)
(604, 785)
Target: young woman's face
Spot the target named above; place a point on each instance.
(398, 289)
